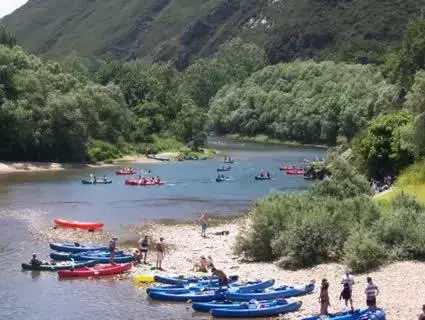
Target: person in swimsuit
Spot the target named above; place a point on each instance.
(324, 297)
(222, 278)
(160, 253)
(203, 265)
(143, 245)
(203, 220)
(112, 247)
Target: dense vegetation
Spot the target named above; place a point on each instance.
(347, 226)
(305, 101)
(181, 31)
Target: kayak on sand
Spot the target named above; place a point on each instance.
(203, 286)
(358, 314)
(183, 280)
(74, 248)
(78, 224)
(228, 304)
(251, 310)
(98, 270)
(272, 293)
(120, 257)
(68, 265)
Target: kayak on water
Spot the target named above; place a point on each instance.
(253, 310)
(222, 179)
(96, 181)
(68, 265)
(288, 168)
(125, 172)
(141, 182)
(295, 172)
(358, 314)
(79, 224)
(98, 270)
(263, 178)
(74, 248)
(203, 286)
(228, 168)
(271, 293)
(183, 280)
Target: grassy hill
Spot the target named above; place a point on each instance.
(181, 30)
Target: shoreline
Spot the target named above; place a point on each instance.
(270, 141)
(396, 281)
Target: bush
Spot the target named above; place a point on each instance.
(101, 150)
(363, 252)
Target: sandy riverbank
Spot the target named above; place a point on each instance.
(402, 284)
(30, 166)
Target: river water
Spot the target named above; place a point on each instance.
(37, 198)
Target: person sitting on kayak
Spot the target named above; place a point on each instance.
(268, 175)
(112, 247)
(202, 266)
(262, 173)
(143, 180)
(36, 262)
(222, 278)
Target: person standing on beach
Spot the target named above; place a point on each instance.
(143, 245)
(112, 247)
(160, 253)
(203, 220)
(324, 297)
(371, 292)
(347, 281)
(422, 315)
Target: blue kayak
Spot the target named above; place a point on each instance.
(64, 247)
(64, 256)
(84, 256)
(195, 296)
(228, 168)
(228, 304)
(183, 280)
(244, 287)
(358, 314)
(253, 310)
(270, 294)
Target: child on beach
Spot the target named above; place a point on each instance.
(160, 253)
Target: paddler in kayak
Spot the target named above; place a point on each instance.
(36, 262)
(112, 247)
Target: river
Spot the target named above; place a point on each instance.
(36, 198)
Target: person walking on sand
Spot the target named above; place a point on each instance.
(160, 253)
(347, 282)
(112, 247)
(143, 245)
(371, 292)
(422, 315)
(324, 297)
(203, 220)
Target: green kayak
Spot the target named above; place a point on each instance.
(96, 182)
(68, 265)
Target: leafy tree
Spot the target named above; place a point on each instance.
(6, 38)
(380, 149)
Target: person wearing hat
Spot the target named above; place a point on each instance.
(112, 248)
(36, 262)
(160, 253)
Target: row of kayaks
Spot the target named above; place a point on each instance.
(130, 182)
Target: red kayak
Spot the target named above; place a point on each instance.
(97, 270)
(295, 172)
(287, 168)
(78, 224)
(140, 182)
(124, 172)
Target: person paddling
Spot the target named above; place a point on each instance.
(36, 262)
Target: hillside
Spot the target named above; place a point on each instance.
(182, 30)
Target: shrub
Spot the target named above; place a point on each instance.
(363, 252)
(101, 150)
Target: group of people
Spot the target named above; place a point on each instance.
(155, 180)
(93, 178)
(264, 174)
(228, 159)
(371, 291)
